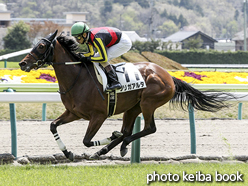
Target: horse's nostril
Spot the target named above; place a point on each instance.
(23, 63)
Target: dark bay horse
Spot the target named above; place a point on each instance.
(81, 98)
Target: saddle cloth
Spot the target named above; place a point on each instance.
(128, 75)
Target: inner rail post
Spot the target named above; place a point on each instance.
(240, 111)
(135, 152)
(192, 128)
(12, 111)
(44, 111)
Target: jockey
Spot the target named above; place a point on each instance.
(108, 42)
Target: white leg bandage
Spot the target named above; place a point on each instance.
(105, 141)
(61, 145)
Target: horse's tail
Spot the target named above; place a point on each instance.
(185, 94)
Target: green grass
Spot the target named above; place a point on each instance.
(9, 64)
(128, 175)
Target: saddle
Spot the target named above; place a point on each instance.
(129, 77)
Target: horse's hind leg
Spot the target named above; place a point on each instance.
(66, 117)
(146, 131)
(108, 147)
(160, 89)
(148, 107)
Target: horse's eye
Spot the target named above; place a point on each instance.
(41, 46)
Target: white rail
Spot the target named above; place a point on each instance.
(29, 97)
(6, 56)
(54, 97)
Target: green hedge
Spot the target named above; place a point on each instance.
(206, 57)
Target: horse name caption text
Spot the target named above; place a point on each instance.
(197, 177)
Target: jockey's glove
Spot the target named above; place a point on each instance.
(83, 58)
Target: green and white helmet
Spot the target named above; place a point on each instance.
(79, 28)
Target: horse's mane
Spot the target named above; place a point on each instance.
(68, 42)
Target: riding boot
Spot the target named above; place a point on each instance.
(113, 83)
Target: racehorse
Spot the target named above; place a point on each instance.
(80, 95)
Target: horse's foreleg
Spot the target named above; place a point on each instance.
(94, 125)
(66, 117)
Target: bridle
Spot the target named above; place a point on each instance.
(46, 57)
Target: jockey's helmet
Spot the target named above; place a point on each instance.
(79, 28)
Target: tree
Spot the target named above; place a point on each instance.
(168, 28)
(210, 16)
(145, 46)
(236, 16)
(124, 3)
(173, 18)
(175, 3)
(29, 10)
(164, 13)
(106, 8)
(38, 29)
(186, 4)
(199, 10)
(193, 43)
(143, 3)
(232, 28)
(16, 38)
(182, 21)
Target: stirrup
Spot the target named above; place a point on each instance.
(110, 89)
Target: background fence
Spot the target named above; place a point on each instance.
(12, 97)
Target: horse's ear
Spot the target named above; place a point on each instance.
(52, 36)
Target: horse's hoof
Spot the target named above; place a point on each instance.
(117, 134)
(94, 157)
(71, 156)
(123, 152)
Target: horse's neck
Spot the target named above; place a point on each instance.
(65, 74)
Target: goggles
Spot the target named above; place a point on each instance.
(78, 37)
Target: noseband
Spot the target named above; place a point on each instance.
(41, 59)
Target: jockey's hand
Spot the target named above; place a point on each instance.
(83, 58)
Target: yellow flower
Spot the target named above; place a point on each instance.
(211, 77)
(30, 77)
